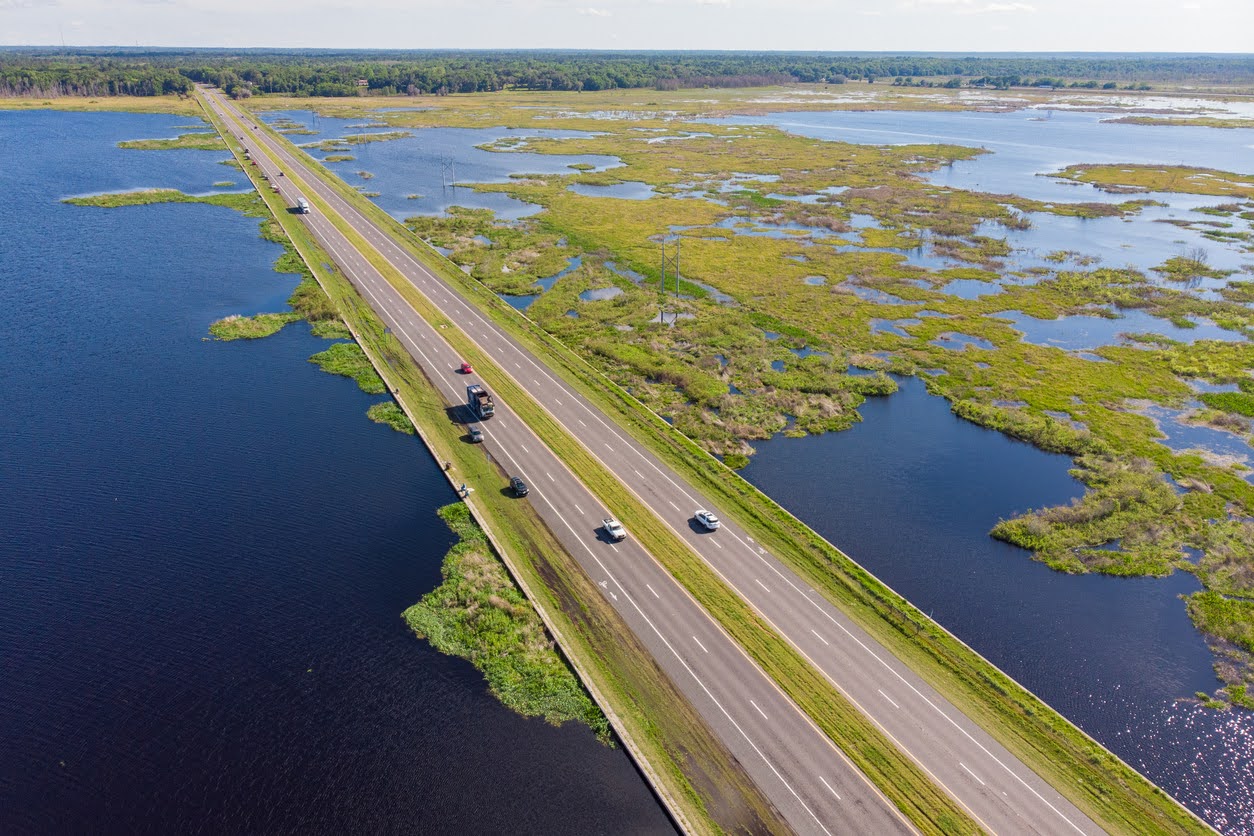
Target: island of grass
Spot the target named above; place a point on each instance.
(1187, 121)
(389, 413)
(192, 142)
(478, 613)
(1129, 177)
(236, 327)
(348, 360)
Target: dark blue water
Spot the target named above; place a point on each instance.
(911, 494)
(205, 547)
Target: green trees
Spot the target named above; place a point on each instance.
(29, 72)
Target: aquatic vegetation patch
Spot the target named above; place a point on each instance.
(389, 413)
(1129, 177)
(236, 327)
(479, 614)
(1242, 403)
(192, 142)
(349, 360)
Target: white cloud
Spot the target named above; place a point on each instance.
(596, 12)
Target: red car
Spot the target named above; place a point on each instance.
(466, 369)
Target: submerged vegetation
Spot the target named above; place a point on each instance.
(478, 613)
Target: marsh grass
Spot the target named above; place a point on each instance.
(236, 327)
(479, 614)
(392, 415)
(193, 142)
(349, 360)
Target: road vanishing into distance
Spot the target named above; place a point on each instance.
(811, 783)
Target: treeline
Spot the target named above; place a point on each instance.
(30, 72)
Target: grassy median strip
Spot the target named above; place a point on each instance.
(702, 783)
(897, 776)
(1117, 797)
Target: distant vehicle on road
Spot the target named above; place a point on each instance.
(302, 206)
(614, 529)
(466, 368)
(480, 401)
(519, 486)
(476, 433)
(707, 519)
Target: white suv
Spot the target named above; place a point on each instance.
(707, 519)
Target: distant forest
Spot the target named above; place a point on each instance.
(137, 72)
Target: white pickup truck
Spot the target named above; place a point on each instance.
(614, 529)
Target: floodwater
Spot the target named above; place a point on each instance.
(1024, 147)
(911, 492)
(206, 547)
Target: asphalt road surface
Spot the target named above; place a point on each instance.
(811, 783)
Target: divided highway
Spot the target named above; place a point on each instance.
(813, 786)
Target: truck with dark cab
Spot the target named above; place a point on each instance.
(479, 401)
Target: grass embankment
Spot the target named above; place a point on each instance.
(1118, 798)
(1161, 178)
(704, 786)
(187, 142)
(478, 613)
(897, 776)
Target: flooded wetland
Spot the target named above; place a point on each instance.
(880, 313)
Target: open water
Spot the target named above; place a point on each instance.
(205, 547)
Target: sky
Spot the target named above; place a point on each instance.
(822, 25)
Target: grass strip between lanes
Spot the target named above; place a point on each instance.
(1117, 797)
(701, 783)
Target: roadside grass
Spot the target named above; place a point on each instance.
(703, 785)
(1116, 796)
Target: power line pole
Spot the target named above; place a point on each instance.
(448, 172)
(674, 262)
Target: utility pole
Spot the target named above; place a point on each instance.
(674, 262)
(448, 172)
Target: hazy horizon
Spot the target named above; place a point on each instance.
(895, 26)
